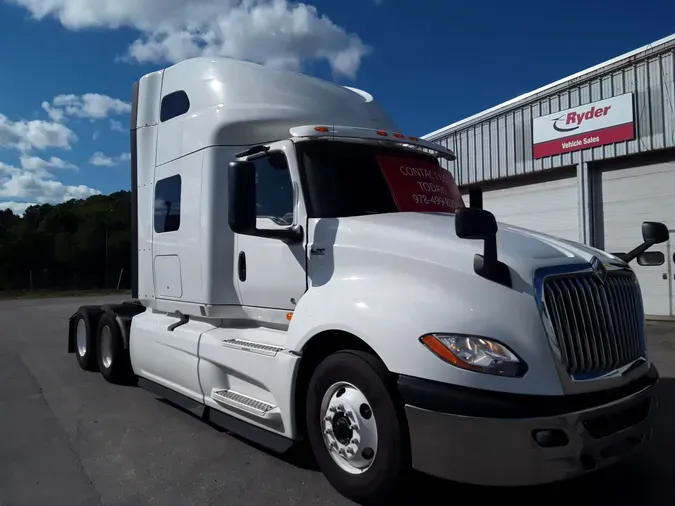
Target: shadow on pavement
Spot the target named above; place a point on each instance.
(645, 479)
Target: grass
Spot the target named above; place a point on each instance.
(45, 294)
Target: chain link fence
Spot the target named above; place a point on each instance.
(56, 280)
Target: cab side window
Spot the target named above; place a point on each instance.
(167, 204)
(274, 188)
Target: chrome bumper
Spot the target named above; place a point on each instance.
(497, 439)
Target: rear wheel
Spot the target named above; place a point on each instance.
(357, 429)
(113, 358)
(86, 322)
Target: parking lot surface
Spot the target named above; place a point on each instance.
(69, 438)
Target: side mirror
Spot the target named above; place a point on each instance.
(654, 232)
(475, 223)
(241, 198)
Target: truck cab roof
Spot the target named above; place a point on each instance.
(221, 101)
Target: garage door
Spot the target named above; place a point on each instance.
(550, 207)
(629, 197)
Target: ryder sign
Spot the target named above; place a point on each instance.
(587, 126)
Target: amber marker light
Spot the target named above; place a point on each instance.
(431, 342)
(475, 353)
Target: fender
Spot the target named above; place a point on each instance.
(390, 311)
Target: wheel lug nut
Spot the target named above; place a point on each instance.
(333, 409)
(354, 441)
(350, 415)
(328, 431)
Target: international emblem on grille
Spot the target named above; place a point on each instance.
(599, 269)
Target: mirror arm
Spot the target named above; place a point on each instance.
(289, 235)
(490, 250)
(488, 265)
(476, 198)
(633, 254)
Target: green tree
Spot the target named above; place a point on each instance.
(65, 246)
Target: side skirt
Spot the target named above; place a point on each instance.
(262, 437)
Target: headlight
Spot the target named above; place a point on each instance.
(477, 354)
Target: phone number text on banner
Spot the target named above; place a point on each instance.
(418, 185)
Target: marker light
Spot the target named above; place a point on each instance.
(399, 136)
(476, 354)
(382, 133)
(322, 129)
(415, 139)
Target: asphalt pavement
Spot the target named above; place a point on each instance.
(69, 438)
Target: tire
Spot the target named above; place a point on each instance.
(358, 376)
(85, 325)
(113, 360)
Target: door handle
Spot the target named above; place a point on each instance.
(241, 267)
(664, 275)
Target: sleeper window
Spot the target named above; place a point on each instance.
(274, 188)
(167, 204)
(173, 105)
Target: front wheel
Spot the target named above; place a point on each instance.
(356, 427)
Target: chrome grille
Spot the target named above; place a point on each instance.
(598, 327)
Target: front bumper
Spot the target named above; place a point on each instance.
(488, 438)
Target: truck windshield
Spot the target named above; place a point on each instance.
(349, 179)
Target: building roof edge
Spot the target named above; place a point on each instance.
(437, 134)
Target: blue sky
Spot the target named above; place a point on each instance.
(68, 65)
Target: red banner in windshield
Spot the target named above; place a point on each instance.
(420, 185)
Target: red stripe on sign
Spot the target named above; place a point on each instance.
(593, 139)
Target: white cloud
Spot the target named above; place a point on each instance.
(53, 113)
(37, 164)
(34, 183)
(280, 33)
(34, 134)
(16, 207)
(102, 160)
(89, 105)
(116, 126)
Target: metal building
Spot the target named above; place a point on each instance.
(588, 158)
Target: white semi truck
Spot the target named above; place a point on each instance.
(305, 273)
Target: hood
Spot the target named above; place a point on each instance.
(431, 237)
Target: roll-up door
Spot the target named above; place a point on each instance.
(629, 197)
(549, 207)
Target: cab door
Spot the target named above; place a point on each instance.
(271, 273)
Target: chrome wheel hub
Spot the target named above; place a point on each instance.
(106, 347)
(81, 338)
(349, 428)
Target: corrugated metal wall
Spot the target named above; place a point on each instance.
(502, 146)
